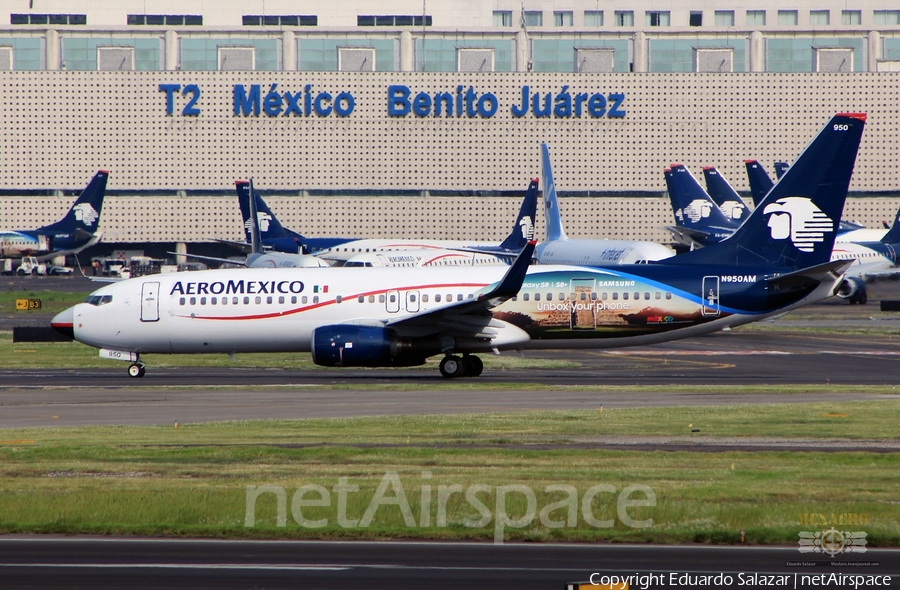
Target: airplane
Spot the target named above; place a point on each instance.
(71, 234)
(778, 260)
(559, 249)
(872, 259)
(698, 220)
(338, 251)
(729, 201)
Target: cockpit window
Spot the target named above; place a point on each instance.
(98, 299)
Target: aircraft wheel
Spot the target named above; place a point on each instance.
(474, 366)
(136, 370)
(452, 366)
(863, 298)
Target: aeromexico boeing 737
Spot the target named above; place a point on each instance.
(73, 233)
(339, 250)
(776, 261)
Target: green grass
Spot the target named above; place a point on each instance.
(51, 301)
(192, 480)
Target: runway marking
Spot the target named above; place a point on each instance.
(16, 442)
(215, 566)
(746, 352)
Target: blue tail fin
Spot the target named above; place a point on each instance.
(523, 230)
(760, 182)
(84, 215)
(552, 217)
(893, 234)
(271, 232)
(693, 208)
(781, 168)
(730, 203)
(795, 225)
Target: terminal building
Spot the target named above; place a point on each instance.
(400, 118)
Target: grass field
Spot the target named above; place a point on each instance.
(193, 480)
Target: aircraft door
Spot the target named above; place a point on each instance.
(582, 302)
(392, 301)
(150, 302)
(710, 296)
(412, 301)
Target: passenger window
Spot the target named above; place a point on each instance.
(361, 298)
(381, 299)
(459, 297)
(315, 298)
(281, 299)
(234, 300)
(224, 300)
(338, 299)
(593, 296)
(437, 298)
(637, 296)
(668, 295)
(371, 299)
(549, 296)
(471, 296)
(304, 300)
(537, 296)
(181, 301)
(625, 296)
(193, 301)
(562, 296)
(425, 298)
(647, 295)
(525, 297)
(246, 301)
(515, 298)
(258, 299)
(203, 301)
(658, 295)
(393, 298)
(604, 296)
(269, 300)
(615, 295)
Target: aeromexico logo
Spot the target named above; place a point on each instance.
(240, 287)
(526, 225)
(695, 211)
(799, 219)
(262, 218)
(732, 210)
(85, 213)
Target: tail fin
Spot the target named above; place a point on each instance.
(552, 217)
(523, 230)
(271, 232)
(781, 168)
(795, 225)
(84, 215)
(760, 182)
(893, 234)
(255, 243)
(730, 203)
(693, 208)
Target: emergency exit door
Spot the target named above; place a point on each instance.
(150, 302)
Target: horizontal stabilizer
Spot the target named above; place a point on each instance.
(812, 276)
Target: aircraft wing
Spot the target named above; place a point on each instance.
(808, 277)
(472, 317)
(244, 247)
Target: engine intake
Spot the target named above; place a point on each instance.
(362, 346)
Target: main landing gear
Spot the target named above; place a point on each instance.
(468, 365)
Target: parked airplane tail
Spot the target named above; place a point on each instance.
(795, 225)
(84, 215)
(523, 230)
(271, 232)
(552, 217)
(730, 203)
(893, 234)
(781, 168)
(760, 181)
(693, 208)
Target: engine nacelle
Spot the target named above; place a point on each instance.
(852, 289)
(347, 345)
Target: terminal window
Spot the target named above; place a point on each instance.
(756, 18)
(851, 17)
(657, 18)
(624, 18)
(787, 18)
(393, 20)
(887, 17)
(48, 19)
(696, 19)
(819, 18)
(724, 18)
(165, 19)
(280, 20)
(502, 18)
(6, 59)
(562, 18)
(593, 18)
(534, 18)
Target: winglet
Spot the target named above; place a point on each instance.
(512, 281)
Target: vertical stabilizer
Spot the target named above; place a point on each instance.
(84, 215)
(523, 229)
(760, 182)
(730, 203)
(552, 217)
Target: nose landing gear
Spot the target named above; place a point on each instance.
(136, 370)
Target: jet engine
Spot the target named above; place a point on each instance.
(347, 345)
(853, 290)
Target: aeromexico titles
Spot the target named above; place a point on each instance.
(73, 233)
(776, 261)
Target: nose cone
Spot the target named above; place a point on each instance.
(63, 321)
